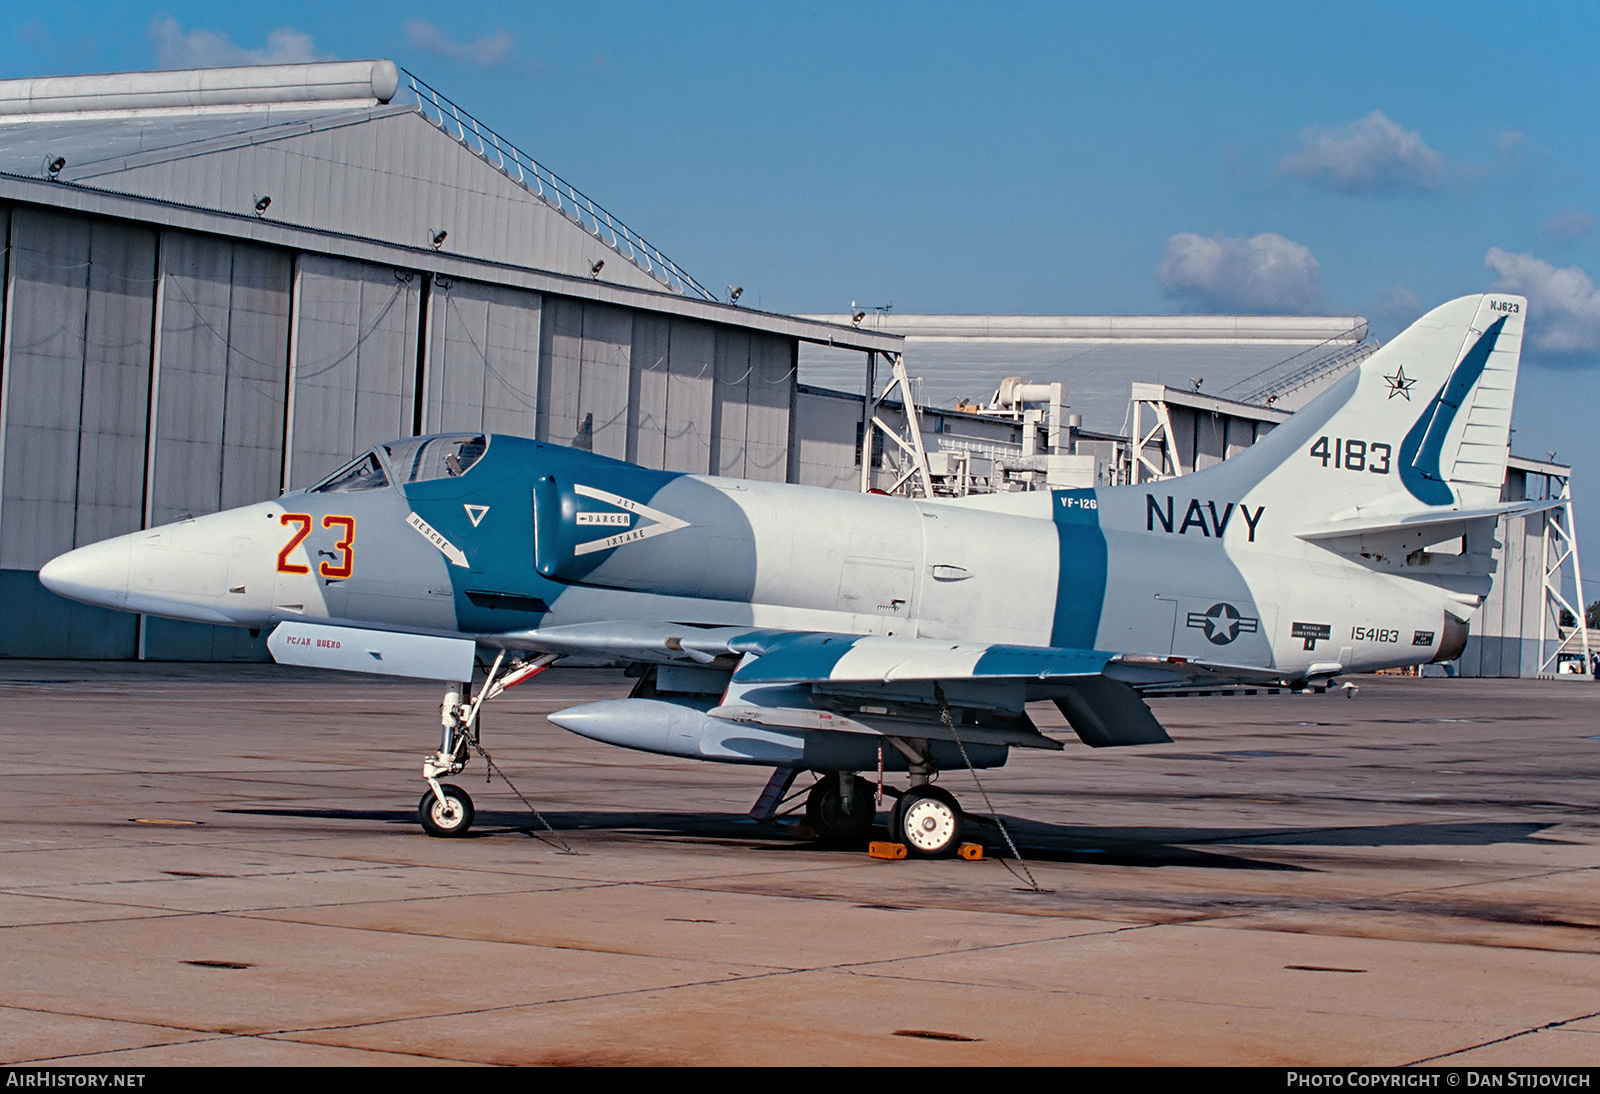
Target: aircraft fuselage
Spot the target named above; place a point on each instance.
(533, 535)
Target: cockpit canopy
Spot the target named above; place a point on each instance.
(415, 459)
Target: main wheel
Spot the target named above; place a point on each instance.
(928, 821)
(451, 817)
(828, 815)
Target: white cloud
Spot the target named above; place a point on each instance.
(1509, 142)
(486, 52)
(1563, 305)
(1570, 224)
(1395, 309)
(1263, 274)
(1370, 154)
(199, 48)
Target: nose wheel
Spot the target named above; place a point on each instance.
(447, 813)
(446, 810)
(928, 821)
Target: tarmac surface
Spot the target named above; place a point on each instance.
(221, 865)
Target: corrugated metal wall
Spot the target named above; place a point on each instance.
(690, 378)
(828, 430)
(1504, 639)
(1204, 439)
(483, 359)
(224, 344)
(268, 368)
(76, 351)
(648, 387)
(355, 370)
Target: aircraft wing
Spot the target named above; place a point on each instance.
(819, 657)
(1097, 691)
(784, 678)
(777, 656)
(778, 671)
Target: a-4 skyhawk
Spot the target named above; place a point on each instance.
(804, 629)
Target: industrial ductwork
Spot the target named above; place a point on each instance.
(335, 83)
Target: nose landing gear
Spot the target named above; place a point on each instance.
(446, 810)
(445, 813)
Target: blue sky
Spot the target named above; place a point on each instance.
(1373, 159)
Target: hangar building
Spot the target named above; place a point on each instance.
(224, 283)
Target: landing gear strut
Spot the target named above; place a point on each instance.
(926, 819)
(446, 810)
(840, 807)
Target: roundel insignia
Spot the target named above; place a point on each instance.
(1222, 623)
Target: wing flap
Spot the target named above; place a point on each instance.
(1105, 713)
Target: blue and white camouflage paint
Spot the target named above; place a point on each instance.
(1355, 536)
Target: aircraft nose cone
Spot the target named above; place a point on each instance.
(97, 574)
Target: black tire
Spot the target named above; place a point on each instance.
(929, 822)
(826, 813)
(451, 818)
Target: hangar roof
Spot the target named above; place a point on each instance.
(350, 171)
(332, 147)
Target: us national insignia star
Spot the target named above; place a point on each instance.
(1222, 623)
(1400, 383)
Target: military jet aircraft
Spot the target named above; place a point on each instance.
(805, 629)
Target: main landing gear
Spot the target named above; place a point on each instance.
(840, 808)
(928, 820)
(446, 809)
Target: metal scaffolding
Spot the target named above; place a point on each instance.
(1559, 548)
(915, 472)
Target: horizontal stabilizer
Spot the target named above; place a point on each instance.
(1442, 520)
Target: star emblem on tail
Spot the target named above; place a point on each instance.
(1400, 383)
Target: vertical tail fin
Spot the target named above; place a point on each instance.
(1422, 424)
(1455, 453)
